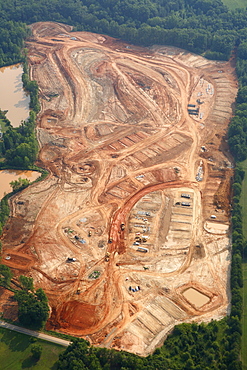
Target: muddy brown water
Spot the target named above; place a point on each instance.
(196, 298)
(12, 96)
(6, 176)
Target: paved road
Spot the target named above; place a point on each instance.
(35, 334)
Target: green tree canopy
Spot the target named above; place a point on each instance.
(5, 275)
(36, 351)
(19, 184)
(33, 309)
(26, 283)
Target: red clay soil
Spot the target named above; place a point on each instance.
(134, 142)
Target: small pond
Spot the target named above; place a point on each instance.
(6, 176)
(12, 96)
(196, 298)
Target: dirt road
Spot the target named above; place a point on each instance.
(134, 216)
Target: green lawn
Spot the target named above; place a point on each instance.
(233, 4)
(15, 352)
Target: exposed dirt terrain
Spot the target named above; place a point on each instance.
(138, 192)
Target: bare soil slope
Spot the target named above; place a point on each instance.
(138, 192)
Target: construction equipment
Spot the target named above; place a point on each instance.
(142, 249)
(107, 256)
(71, 259)
(122, 226)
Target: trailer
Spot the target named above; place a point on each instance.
(142, 249)
(185, 204)
(185, 196)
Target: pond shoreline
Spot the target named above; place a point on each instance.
(14, 99)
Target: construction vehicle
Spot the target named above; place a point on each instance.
(107, 256)
(142, 249)
(71, 259)
(122, 226)
(90, 233)
(78, 291)
(186, 195)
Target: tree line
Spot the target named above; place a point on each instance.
(12, 35)
(237, 134)
(190, 347)
(201, 26)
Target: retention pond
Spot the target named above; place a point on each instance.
(12, 96)
(6, 176)
(196, 298)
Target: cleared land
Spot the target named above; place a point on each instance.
(128, 235)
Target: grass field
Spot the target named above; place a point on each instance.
(15, 352)
(233, 4)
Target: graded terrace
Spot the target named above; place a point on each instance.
(129, 234)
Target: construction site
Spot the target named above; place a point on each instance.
(129, 234)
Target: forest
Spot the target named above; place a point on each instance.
(201, 26)
(206, 27)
